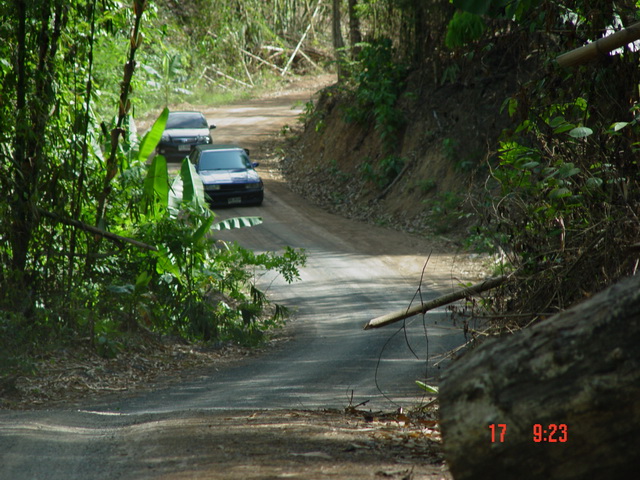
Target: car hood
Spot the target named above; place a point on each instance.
(212, 177)
(186, 132)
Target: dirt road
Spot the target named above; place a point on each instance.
(259, 418)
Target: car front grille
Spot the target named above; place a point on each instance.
(225, 187)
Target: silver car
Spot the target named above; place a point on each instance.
(184, 130)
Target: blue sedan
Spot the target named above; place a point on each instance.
(228, 175)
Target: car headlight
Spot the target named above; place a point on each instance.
(202, 139)
(252, 186)
(212, 187)
(165, 138)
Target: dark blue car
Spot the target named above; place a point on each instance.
(228, 175)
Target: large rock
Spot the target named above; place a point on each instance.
(576, 374)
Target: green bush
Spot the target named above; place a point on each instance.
(379, 82)
(464, 27)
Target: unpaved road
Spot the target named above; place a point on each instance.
(240, 421)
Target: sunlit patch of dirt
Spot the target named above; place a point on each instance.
(289, 444)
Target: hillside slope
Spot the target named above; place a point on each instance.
(449, 133)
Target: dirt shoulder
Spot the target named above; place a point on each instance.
(285, 444)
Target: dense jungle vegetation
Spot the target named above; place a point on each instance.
(94, 244)
(96, 247)
(548, 172)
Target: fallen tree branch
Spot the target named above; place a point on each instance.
(600, 47)
(437, 302)
(308, 59)
(229, 77)
(95, 230)
(295, 51)
(261, 60)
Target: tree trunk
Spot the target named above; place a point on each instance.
(20, 232)
(420, 32)
(355, 37)
(576, 375)
(34, 97)
(338, 42)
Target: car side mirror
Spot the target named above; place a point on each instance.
(212, 126)
(255, 164)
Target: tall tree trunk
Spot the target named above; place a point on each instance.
(76, 201)
(338, 42)
(124, 106)
(34, 98)
(420, 32)
(20, 233)
(355, 37)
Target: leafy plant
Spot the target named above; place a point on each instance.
(367, 172)
(464, 27)
(427, 388)
(97, 243)
(384, 173)
(380, 81)
(445, 209)
(561, 211)
(169, 77)
(390, 167)
(449, 146)
(426, 185)
(189, 265)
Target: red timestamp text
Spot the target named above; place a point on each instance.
(498, 432)
(551, 433)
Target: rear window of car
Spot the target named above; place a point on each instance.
(186, 120)
(223, 160)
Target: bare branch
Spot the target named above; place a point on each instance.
(438, 302)
(601, 47)
(97, 231)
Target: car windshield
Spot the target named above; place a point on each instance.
(223, 160)
(186, 120)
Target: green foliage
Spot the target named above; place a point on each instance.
(445, 210)
(71, 162)
(390, 167)
(153, 136)
(156, 184)
(427, 388)
(379, 83)
(308, 113)
(564, 181)
(463, 28)
(368, 174)
(498, 8)
(384, 173)
(169, 77)
(449, 146)
(426, 185)
(563, 207)
(190, 265)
